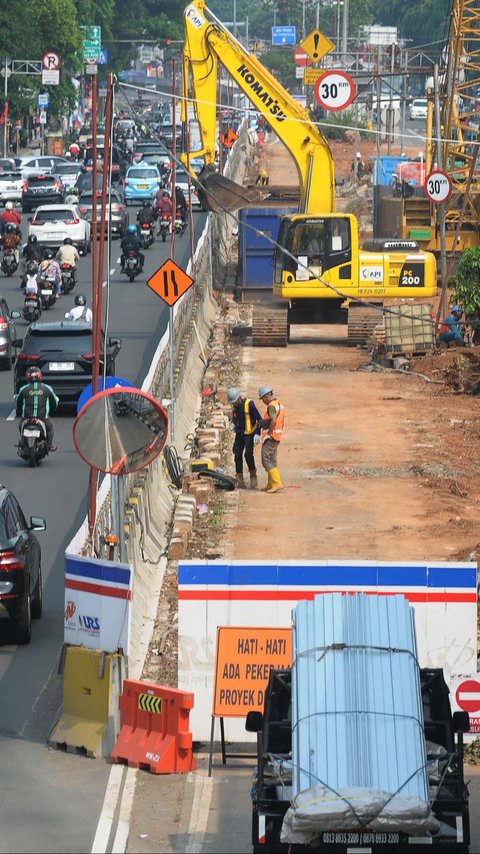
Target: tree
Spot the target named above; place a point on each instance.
(465, 285)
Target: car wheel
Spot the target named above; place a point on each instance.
(37, 603)
(23, 624)
(85, 247)
(7, 363)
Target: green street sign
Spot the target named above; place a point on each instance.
(92, 43)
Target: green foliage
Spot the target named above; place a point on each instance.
(465, 285)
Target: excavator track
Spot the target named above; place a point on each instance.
(269, 326)
(362, 320)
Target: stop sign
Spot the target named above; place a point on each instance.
(467, 695)
(301, 57)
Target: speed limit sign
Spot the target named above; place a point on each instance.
(334, 90)
(438, 187)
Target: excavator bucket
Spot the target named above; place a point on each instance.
(217, 193)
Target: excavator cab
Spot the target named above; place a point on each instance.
(310, 248)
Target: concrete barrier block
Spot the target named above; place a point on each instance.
(202, 491)
(185, 501)
(176, 549)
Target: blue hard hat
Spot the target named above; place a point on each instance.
(456, 308)
(132, 229)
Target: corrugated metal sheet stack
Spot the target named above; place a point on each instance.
(358, 743)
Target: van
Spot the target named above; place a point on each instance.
(418, 108)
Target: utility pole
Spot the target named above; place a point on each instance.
(345, 30)
(441, 208)
(5, 108)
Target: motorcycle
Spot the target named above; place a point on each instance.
(9, 262)
(46, 290)
(146, 235)
(132, 265)
(32, 445)
(180, 224)
(68, 278)
(164, 227)
(32, 307)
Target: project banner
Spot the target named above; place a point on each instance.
(243, 659)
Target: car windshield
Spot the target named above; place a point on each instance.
(142, 173)
(67, 169)
(63, 340)
(40, 179)
(10, 176)
(63, 215)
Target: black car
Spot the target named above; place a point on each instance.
(42, 190)
(20, 568)
(63, 351)
(7, 335)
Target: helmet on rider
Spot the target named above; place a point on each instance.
(32, 267)
(146, 204)
(165, 194)
(34, 374)
(233, 394)
(9, 227)
(9, 206)
(132, 229)
(47, 254)
(32, 238)
(456, 309)
(68, 154)
(80, 300)
(263, 390)
(68, 240)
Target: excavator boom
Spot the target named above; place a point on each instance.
(206, 42)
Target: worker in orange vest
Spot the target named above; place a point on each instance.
(229, 137)
(271, 436)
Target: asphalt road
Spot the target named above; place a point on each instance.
(50, 800)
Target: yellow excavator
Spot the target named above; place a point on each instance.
(318, 263)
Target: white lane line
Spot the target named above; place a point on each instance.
(110, 801)
(112, 271)
(11, 417)
(202, 798)
(123, 827)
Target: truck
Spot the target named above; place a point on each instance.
(319, 268)
(357, 746)
(272, 782)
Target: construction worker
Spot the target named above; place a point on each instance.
(246, 421)
(262, 178)
(272, 432)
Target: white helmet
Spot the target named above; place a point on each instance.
(358, 154)
(9, 206)
(263, 390)
(233, 394)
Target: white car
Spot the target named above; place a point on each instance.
(39, 165)
(181, 180)
(418, 108)
(53, 223)
(11, 184)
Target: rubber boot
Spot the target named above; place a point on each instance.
(269, 482)
(277, 484)
(253, 479)
(240, 481)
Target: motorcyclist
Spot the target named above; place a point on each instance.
(67, 254)
(11, 239)
(163, 202)
(32, 251)
(36, 399)
(146, 216)
(131, 243)
(181, 203)
(50, 269)
(10, 215)
(31, 281)
(80, 310)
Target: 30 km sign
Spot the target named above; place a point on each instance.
(438, 187)
(334, 90)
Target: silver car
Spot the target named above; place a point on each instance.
(7, 335)
(67, 173)
(11, 184)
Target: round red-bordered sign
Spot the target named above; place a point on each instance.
(334, 90)
(467, 696)
(438, 187)
(301, 57)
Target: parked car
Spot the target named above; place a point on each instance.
(34, 165)
(418, 108)
(11, 184)
(53, 223)
(41, 190)
(141, 182)
(63, 351)
(67, 173)
(116, 212)
(7, 335)
(20, 567)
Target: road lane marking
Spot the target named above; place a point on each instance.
(12, 415)
(202, 798)
(126, 805)
(110, 802)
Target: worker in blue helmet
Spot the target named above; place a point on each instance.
(451, 329)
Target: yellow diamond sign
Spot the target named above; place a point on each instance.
(316, 45)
